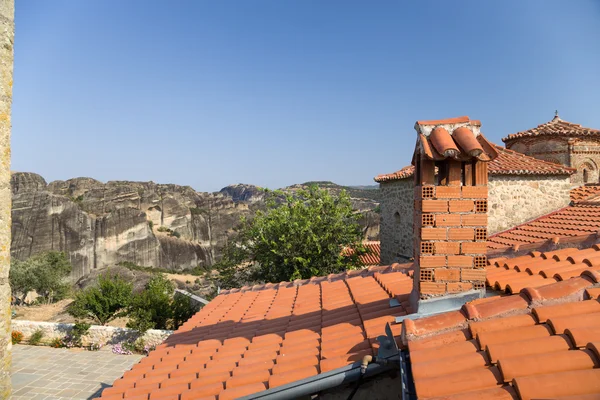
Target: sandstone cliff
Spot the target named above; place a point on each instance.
(101, 224)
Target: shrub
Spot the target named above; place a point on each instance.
(163, 229)
(119, 349)
(36, 337)
(105, 301)
(151, 308)
(175, 234)
(150, 225)
(57, 343)
(16, 337)
(156, 307)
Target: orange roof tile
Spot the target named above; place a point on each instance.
(508, 162)
(254, 338)
(571, 223)
(585, 192)
(542, 341)
(556, 127)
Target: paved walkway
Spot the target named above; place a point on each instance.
(40, 372)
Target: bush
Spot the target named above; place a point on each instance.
(17, 337)
(44, 273)
(156, 307)
(150, 225)
(57, 343)
(103, 302)
(36, 337)
(163, 229)
(151, 308)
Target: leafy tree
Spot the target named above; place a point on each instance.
(105, 301)
(298, 236)
(156, 307)
(44, 273)
(151, 308)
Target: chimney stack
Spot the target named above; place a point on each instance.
(450, 225)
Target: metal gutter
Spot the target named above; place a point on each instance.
(328, 380)
(388, 351)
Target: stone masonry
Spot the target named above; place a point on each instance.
(7, 11)
(512, 200)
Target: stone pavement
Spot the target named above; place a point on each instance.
(40, 372)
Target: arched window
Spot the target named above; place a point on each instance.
(586, 177)
(397, 218)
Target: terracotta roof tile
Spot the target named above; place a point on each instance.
(584, 192)
(540, 343)
(556, 127)
(371, 258)
(508, 162)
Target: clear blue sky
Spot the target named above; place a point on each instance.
(210, 93)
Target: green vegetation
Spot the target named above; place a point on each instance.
(359, 192)
(151, 225)
(103, 302)
(16, 337)
(298, 236)
(45, 273)
(156, 307)
(36, 337)
(198, 211)
(170, 232)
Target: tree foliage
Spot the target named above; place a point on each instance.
(156, 307)
(298, 236)
(105, 301)
(45, 273)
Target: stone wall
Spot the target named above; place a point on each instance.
(96, 334)
(7, 29)
(396, 229)
(513, 200)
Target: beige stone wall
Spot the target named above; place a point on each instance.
(512, 200)
(396, 225)
(7, 10)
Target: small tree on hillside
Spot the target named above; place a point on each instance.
(103, 302)
(298, 236)
(151, 308)
(45, 273)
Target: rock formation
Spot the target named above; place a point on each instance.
(148, 224)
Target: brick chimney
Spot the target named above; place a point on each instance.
(450, 225)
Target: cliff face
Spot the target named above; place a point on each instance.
(101, 224)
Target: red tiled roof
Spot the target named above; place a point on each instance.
(584, 192)
(373, 256)
(254, 338)
(508, 162)
(556, 127)
(576, 221)
(541, 342)
(457, 138)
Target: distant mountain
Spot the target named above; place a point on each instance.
(156, 225)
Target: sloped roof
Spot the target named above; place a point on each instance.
(556, 127)
(574, 222)
(457, 138)
(508, 162)
(248, 340)
(584, 192)
(373, 255)
(541, 342)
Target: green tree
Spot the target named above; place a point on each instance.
(151, 308)
(45, 273)
(298, 236)
(157, 307)
(105, 301)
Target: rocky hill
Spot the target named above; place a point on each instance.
(158, 225)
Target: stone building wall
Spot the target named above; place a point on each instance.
(396, 230)
(512, 200)
(585, 156)
(7, 27)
